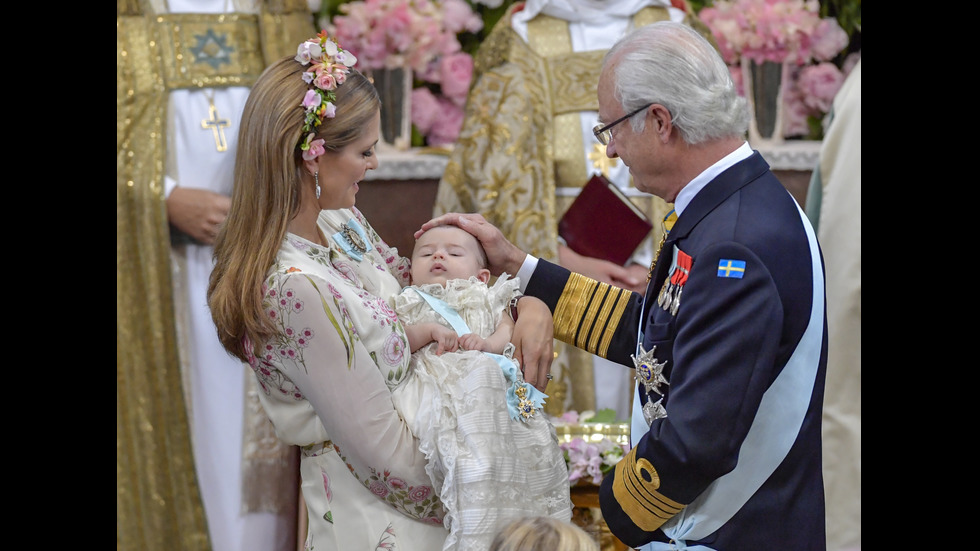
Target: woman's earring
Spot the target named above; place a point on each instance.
(316, 176)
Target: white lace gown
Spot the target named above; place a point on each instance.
(486, 467)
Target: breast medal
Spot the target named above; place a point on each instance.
(649, 373)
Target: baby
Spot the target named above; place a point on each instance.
(493, 455)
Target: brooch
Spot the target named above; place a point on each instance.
(352, 239)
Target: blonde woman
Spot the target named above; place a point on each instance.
(302, 291)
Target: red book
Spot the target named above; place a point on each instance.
(602, 222)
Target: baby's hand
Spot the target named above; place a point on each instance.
(472, 341)
(445, 338)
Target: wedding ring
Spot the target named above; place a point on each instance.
(549, 376)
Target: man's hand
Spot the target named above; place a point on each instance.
(503, 255)
(533, 340)
(198, 212)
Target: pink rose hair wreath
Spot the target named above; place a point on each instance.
(329, 66)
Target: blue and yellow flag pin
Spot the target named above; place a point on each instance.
(731, 268)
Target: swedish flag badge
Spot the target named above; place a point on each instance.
(731, 268)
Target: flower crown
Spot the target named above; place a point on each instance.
(330, 66)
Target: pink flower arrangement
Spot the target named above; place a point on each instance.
(790, 32)
(763, 30)
(387, 34)
(422, 36)
(590, 462)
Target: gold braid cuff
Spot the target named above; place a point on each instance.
(635, 488)
(588, 312)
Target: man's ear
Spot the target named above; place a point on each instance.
(660, 118)
(483, 275)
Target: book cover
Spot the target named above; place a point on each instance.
(602, 222)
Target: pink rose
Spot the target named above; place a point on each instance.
(394, 349)
(819, 84)
(458, 16)
(379, 489)
(446, 127)
(397, 483)
(325, 80)
(425, 109)
(419, 493)
(456, 71)
(828, 40)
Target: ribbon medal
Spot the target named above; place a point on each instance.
(670, 294)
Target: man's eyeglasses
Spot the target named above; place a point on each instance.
(604, 133)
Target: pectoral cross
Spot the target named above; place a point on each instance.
(217, 126)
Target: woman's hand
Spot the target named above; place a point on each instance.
(533, 341)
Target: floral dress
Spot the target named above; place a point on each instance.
(490, 460)
(327, 376)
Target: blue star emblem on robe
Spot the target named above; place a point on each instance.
(211, 49)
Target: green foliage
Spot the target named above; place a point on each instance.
(697, 5)
(328, 9)
(607, 416)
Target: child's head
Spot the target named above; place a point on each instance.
(536, 533)
(448, 252)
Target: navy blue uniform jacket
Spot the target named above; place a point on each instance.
(730, 467)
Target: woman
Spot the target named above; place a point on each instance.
(301, 290)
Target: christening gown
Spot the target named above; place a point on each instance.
(326, 378)
(487, 467)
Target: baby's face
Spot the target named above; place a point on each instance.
(444, 253)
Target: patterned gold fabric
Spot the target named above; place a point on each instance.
(521, 141)
(158, 504)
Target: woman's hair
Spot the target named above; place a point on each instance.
(542, 534)
(671, 64)
(268, 175)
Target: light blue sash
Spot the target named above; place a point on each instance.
(517, 408)
(774, 429)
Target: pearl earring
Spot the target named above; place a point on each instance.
(316, 176)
